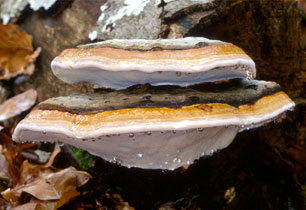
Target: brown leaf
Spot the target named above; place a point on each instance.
(4, 204)
(167, 206)
(17, 104)
(4, 175)
(16, 52)
(12, 156)
(29, 172)
(65, 198)
(119, 203)
(11, 152)
(27, 206)
(49, 189)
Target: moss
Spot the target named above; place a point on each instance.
(84, 158)
(302, 14)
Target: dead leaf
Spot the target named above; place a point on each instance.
(29, 172)
(167, 206)
(17, 104)
(37, 186)
(17, 55)
(4, 204)
(12, 156)
(49, 189)
(4, 175)
(119, 203)
(12, 152)
(230, 194)
(27, 206)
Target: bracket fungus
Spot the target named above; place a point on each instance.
(122, 63)
(161, 127)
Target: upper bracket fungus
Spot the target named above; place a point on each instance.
(163, 127)
(122, 63)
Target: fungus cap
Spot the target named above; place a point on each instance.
(122, 63)
(156, 129)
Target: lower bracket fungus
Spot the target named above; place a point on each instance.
(161, 127)
(156, 129)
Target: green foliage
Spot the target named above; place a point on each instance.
(302, 14)
(84, 158)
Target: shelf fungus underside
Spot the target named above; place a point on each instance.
(163, 127)
(122, 63)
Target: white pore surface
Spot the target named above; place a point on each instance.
(187, 42)
(124, 79)
(149, 150)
